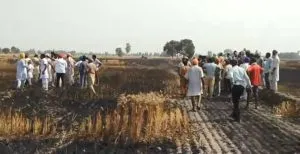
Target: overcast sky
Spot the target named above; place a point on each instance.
(103, 25)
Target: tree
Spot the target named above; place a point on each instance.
(172, 48)
(5, 50)
(73, 52)
(228, 51)
(128, 48)
(119, 52)
(187, 47)
(14, 49)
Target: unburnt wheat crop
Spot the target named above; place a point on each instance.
(288, 109)
(137, 118)
(15, 125)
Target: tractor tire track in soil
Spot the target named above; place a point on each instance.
(258, 132)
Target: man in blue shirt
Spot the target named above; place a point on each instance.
(210, 69)
(267, 68)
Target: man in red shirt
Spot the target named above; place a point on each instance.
(255, 71)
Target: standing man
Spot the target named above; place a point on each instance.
(255, 72)
(195, 82)
(70, 69)
(98, 64)
(21, 72)
(227, 77)
(36, 70)
(218, 78)
(83, 72)
(60, 70)
(275, 71)
(245, 66)
(50, 69)
(210, 69)
(240, 81)
(44, 66)
(91, 74)
(182, 72)
(267, 69)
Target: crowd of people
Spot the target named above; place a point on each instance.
(238, 74)
(56, 70)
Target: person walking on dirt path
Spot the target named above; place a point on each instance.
(36, 70)
(195, 82)
(181, 62)
(267, 69)
(227, 82)
(255, 72)
(210, 69)
(44, 72)
(98, 64)
(182, 72)
(245, 66)
(60, 70)
(21, 72)
(240, 81)
(275, 71)
(91, 71)
(218, 78)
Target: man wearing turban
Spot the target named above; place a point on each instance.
(21, 71)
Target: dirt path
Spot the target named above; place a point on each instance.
(258, 132)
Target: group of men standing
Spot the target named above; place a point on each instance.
(56, 70)
(239, 74)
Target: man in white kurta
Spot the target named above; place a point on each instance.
(195, 82)
(21, 71)
(275, 71)
(44, 72)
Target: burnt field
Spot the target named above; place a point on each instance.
(132, 112)
(138, 110)
(290, 78)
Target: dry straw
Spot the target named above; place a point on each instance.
(288, 109)
(138, 118)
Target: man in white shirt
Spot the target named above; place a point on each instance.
(50, 69)
(44, 72)
(227, 82)
(195, 82)
(210, 69)
(21, 71)
(60, 70)
(240, 80)
(275, 71)
(245, 66)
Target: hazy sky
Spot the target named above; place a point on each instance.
(103, 25)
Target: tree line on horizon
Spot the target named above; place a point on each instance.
(172, 48)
